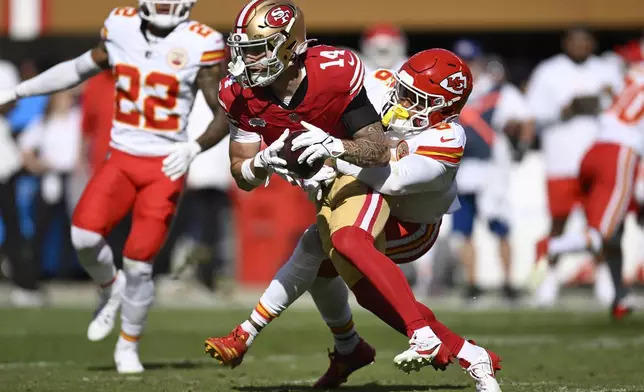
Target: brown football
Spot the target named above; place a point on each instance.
(301, 169)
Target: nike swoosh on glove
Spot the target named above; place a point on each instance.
(319, 145)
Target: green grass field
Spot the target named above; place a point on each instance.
(47, 350)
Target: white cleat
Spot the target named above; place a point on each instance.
(126, 358)
(483, 374)
(421, 353)
(105, 315)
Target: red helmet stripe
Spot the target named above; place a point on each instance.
(242, 20)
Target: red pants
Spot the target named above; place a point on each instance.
(125, 183)
(607, 177)
(563, 195)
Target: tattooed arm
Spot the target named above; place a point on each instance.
(368, 148)
(208, 82)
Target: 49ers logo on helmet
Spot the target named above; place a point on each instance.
(279, 16)
(455, 83)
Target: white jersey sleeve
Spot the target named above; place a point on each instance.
(426, 162)
(213, 51)
(241, 136)
(377, 83)
(546, 110)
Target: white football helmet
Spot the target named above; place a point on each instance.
(165, 14)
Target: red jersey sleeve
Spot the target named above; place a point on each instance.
(230, 99)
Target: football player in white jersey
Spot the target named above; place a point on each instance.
(607, 175)
(160, 60)
(419, 186)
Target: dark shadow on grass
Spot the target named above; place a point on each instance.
(371, 387)
(177, 365)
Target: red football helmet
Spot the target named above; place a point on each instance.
(430, 88)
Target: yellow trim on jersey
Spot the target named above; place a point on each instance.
(214, 55)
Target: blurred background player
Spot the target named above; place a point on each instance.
(24, 274)
(566, 93)
(199, 243)
(383, 46)
(159, 58)
(607, 177)
(495, 109)
(51, 147)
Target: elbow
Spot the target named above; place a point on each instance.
(396, 190)
(394, 187)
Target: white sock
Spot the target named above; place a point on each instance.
(427, 336)
(137, 298)
(575, 242)
(331, 296)
(547, 293)
(604, 287)
(126, 342)
(95, 255)
(290, 282)
(470, 353)
(252, 331)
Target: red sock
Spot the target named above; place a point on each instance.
(356, 245)
(452, 340)
(369, 298)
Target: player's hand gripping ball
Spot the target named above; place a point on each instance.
(303, 169)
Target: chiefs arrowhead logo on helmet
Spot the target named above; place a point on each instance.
(279, 16)
(455, 83)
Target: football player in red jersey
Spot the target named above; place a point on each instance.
(419, 182)
(278, 83)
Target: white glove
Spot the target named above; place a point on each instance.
(268, 159)
(176, 164)
(7, 96)
(288, 176)
(319, 144)
(314, 185)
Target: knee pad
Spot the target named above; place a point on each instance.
(84, 239)
(311, 244)
(90, 247)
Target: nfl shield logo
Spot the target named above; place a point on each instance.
(257, 122)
